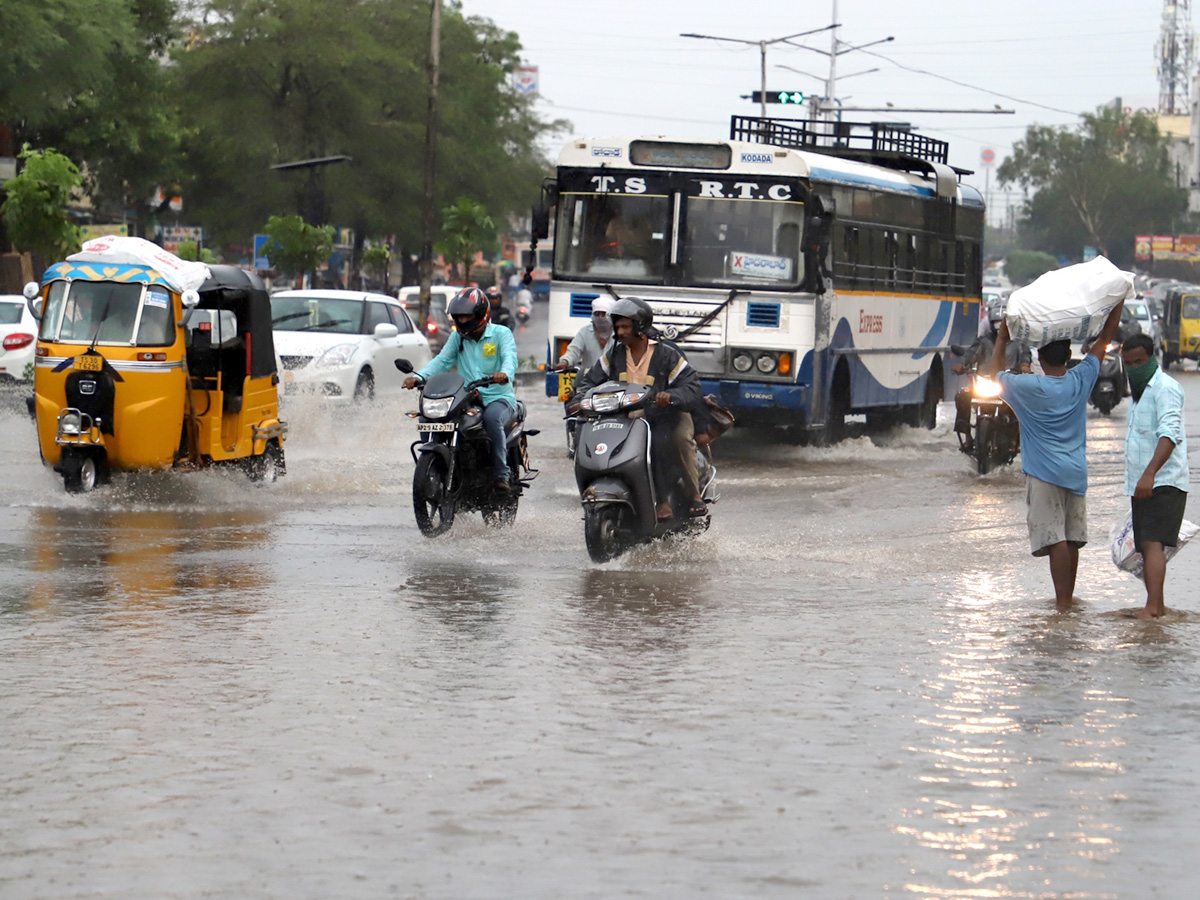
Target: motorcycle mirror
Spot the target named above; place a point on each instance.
(404, 366)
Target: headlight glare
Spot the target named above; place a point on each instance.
(985, 387)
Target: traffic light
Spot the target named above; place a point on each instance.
(792, 98)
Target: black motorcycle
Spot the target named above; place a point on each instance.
(994, 439)
(612, 471)
(1110, 383)
(453, 462)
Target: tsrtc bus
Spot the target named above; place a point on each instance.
(809, 271)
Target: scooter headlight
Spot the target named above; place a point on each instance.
(436, 408)
(70, 423)
(607, 402)
(986, 388)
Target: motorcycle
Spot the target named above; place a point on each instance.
(997, 434)
(612, 472)
(453, 464)
(1110, 383)
(522, 313)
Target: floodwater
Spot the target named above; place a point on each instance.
(855, 685)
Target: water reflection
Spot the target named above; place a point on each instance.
(145, 559)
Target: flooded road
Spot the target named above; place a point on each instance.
(855, 685)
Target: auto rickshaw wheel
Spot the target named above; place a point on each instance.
(80, 470)
(264, 469)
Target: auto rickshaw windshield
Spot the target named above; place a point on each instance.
(107, 313)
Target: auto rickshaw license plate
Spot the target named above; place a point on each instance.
(89, 363)
(435, 426)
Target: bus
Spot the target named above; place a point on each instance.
(808, 270)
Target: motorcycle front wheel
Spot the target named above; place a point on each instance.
(434, 510)
(602, 532)
(985, 440)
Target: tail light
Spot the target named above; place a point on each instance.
(17, 341)
(431, 326)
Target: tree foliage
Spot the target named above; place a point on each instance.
(1023, 266)
(466, 229)
(274, 81)
(35, 210)
(295, 247)
(1098, 185)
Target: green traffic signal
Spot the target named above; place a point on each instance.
(793, 98)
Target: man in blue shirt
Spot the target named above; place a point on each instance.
(1052, 412)
(481, 349)
(1156, 465)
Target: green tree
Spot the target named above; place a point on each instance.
(1023, 266)
(190, 250)
(466, 229)
(1097, 185)
(274, 81)
(87, 77)
(295, 247)
(35, 210)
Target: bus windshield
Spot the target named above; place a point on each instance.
(1191, 306)
(612, 237)
(735, 242)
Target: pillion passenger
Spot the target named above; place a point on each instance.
(636, 359)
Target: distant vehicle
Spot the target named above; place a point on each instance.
(439, 326)
(343, 345)
(1138, 312)
(1181, 324)
(991, 278)
(18, 336)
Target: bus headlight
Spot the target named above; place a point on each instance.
(742, 361)
(766, 363)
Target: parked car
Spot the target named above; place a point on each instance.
(439, 326)
(343, 344)
(18, 339)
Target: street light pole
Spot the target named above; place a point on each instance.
(762, 50)
(425, 264)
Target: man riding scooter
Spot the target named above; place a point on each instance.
(636, 359)
(480, 348)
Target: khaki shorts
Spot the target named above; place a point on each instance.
(1054, 515)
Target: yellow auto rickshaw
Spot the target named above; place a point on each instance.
(1182, 324)
(134, 371)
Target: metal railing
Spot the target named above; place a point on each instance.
(873, 140)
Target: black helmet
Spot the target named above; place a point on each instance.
(471, 302)
(638, 311)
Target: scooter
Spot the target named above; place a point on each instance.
(453, 463)
(612, 472)
(522, 313)
(1110, 383)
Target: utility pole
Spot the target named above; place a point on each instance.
(762, 50)
(425, 263)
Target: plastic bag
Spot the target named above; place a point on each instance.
(1067, 304)
(180, 274)
(1127, 559)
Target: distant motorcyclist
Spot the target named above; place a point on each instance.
(1018, 359)
(501, 315)
(637, 359)
(481, 348)
(590, 341)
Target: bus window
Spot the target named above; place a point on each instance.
(1191, 306)
(734, 242)
(615, 237)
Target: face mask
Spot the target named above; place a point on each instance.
(603, 326)
(1139, 376)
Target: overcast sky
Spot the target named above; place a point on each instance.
(620, 67)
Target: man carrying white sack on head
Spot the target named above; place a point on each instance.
(1052, 412)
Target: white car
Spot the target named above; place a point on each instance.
(343, 345)
(18, 339)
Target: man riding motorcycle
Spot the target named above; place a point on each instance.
(1018, 359)
(480, 348)
(637, 359)
(501, 314)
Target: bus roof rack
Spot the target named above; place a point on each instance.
(869, 142)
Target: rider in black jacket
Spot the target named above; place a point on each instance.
(638, 359)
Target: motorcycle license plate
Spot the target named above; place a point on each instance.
(435, 426)
(89, 363)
